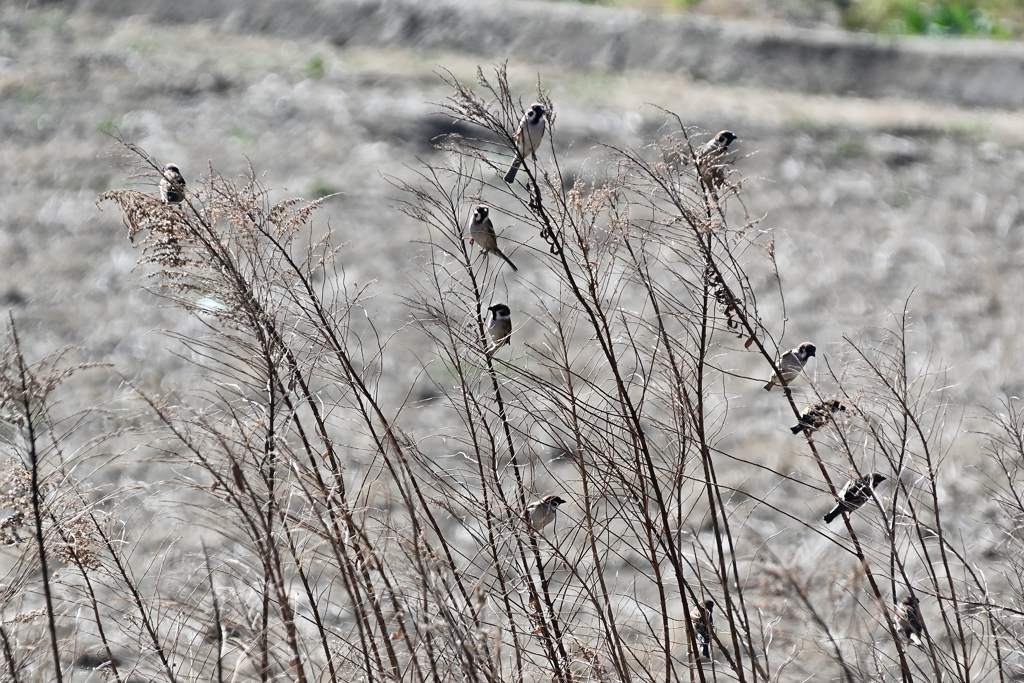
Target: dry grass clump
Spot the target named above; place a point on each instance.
(343, 546)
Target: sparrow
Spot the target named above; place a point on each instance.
(710, 158)
(172, 185)
(856, 492)
(542, 512)
(718, 144)
(481, 232)
(792, 364)
(908, 620)
(499, 327)
(528, 137)
(703, 626)
(816, 416)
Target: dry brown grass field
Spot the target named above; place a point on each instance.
(881, 215)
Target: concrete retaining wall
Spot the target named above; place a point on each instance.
(960, 71)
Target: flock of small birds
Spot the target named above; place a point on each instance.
(542, 513)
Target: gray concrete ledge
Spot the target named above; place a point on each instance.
(959, 71)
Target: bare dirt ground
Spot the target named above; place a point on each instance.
(869, 201)
(872, 203)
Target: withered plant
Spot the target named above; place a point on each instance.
(347, 523)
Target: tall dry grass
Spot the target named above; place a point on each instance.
(343, 547)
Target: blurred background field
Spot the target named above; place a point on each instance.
(873, 204)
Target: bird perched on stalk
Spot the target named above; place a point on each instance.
(542, 512)
(499, 326)
(703, 626)
(172, 185)
(908, 620)
(528, 137)
(856, 492)
(817, 416)
(710, 159)
(792, 364)
(718, 144)
(481, 233)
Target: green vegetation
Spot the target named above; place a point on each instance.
(315, 67)
(986, 18)
(320, 188)
(993, 18)
(851, 148)
(108, 125)
(46, 21)
(240, 133)
(29, 93)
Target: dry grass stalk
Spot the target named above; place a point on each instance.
(349, 548)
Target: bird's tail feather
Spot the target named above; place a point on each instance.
(511, 175)
(507, 259)
(797, 428)
(771, 383)
(832, 514)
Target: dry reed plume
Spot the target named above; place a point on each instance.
(344, 547)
